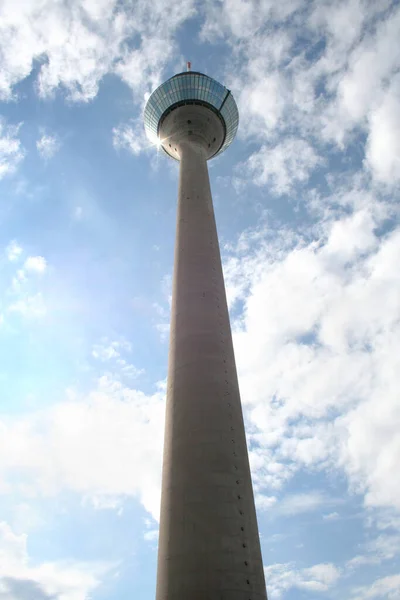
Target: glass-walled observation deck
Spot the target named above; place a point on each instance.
(191, 88)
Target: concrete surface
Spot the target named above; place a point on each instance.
(209, 543)
(195, 123)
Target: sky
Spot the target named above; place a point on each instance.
(307, 208)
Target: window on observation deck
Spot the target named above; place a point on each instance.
(192, 86)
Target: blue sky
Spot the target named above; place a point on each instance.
(307, 208)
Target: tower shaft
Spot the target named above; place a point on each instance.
(209, 544)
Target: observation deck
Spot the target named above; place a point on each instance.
(196, 92)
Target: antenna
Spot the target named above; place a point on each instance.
(188, 66)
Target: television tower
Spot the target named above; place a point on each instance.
(209, 547)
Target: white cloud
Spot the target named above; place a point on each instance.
(26, 517)
(371, 64)
(108, 350)
(331, 89)
(11, 152)
(104, 353)
(12, 547)
(264, 503)
(37, 264)
(163, 329)
(78, 213)
(283, 577)
(385, 547)
(283, 165)
(386, 519)
(128, 370)
(23, 296)
(48, 146)
(103, 502)
(108, 445)
(21, 578)
(383, 145)
(361, 560)
(385, 587)
(355, 67)
(342, 22)
(243, 18)
(74, 53)
(262, 104)
(75, 44)
(29, 306)
(18, 280)
(131, 136)
(151, 535)
(334, 516)
(13, 251)
(317, 347)
(325, 573)
(295, 504)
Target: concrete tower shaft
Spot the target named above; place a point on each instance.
(209, 545)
